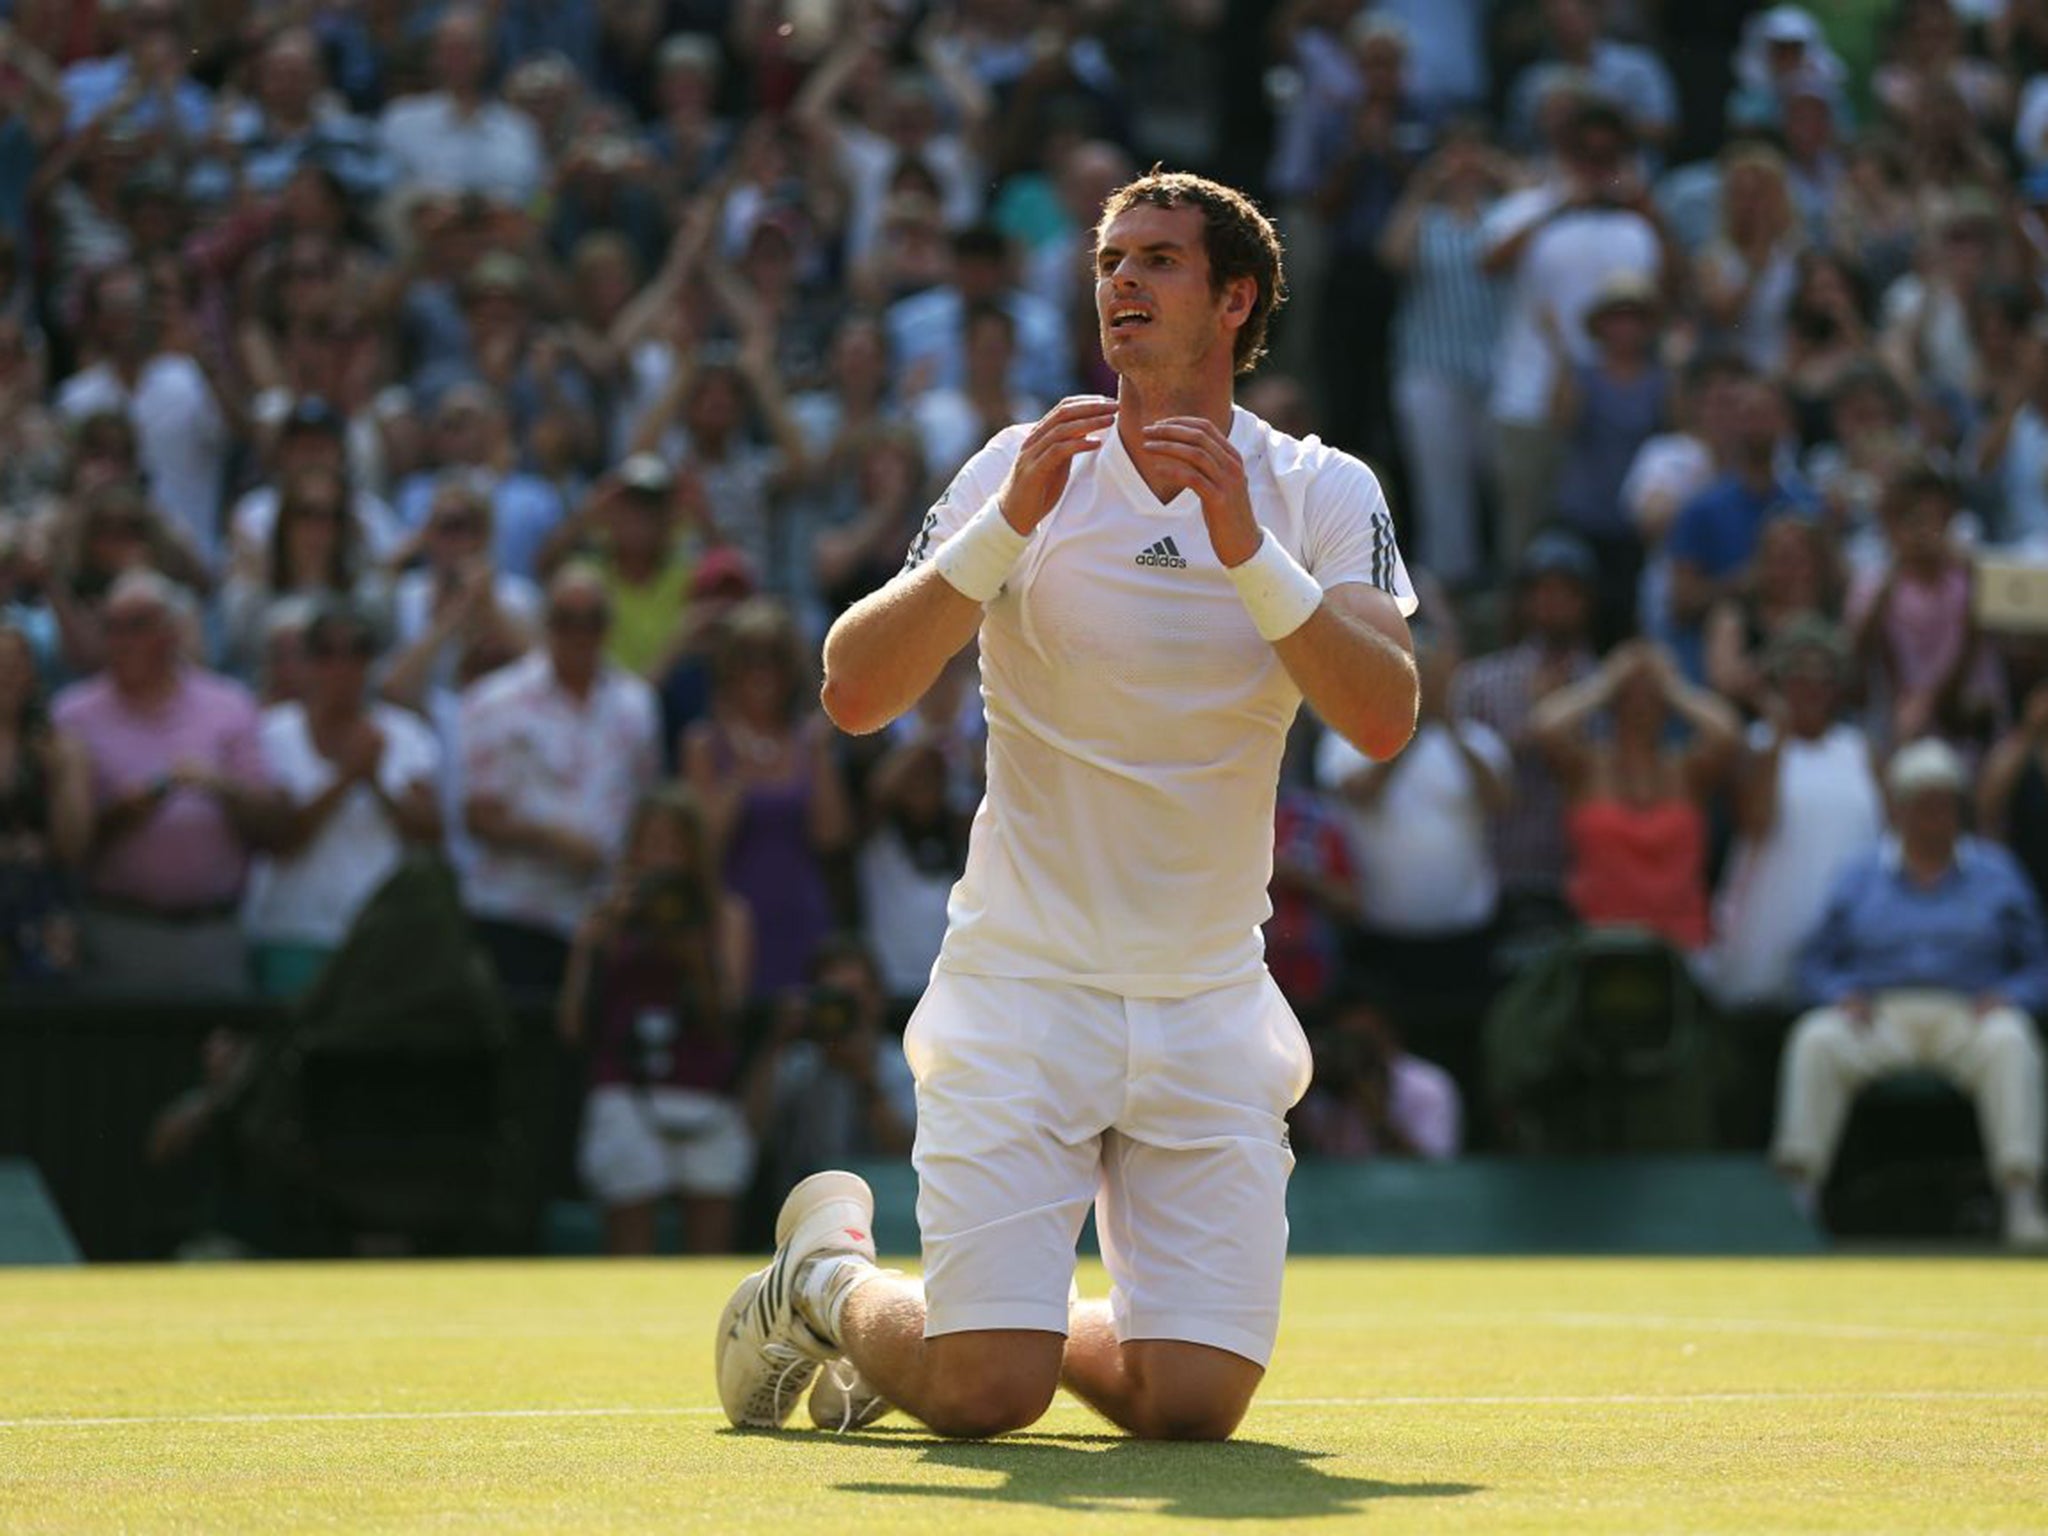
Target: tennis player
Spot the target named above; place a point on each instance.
(1157, 581)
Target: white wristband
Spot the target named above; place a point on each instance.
(1275, 590)
(977, 560)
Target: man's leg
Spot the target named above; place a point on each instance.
(1998, 1059)
(973, 1384)
(1157, 1389)
(1828, 1057)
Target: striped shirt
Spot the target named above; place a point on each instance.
(1450, 315)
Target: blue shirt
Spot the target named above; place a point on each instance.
(1717, 530)
(1976, 930)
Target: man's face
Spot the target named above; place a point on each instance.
(1153, 304)
(337, 665)
(464, 434)
(142, 643)
(457, 533)
(1556, 608)
(291, 74)
(1759, 417)
(577, 626)
(458, 54)
(1930, 821)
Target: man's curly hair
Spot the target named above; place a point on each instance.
(1240, 241)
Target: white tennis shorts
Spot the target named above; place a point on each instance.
(644, 1144)
(1035, 1099)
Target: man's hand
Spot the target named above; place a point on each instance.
(1987, 1003)
(1038, 478)
(363, 753)
(1214, 471)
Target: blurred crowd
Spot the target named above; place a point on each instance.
(449, 428)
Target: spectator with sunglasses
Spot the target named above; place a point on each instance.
(557, 749)
(360, 779)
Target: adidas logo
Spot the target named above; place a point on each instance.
(1164, 553)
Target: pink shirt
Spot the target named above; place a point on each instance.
(187, 856)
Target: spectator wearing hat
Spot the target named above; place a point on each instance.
(182, 800)
(359, 777)
(1559, 242)
(1553, 617)
(1605, 410)
(1931, 953)
(455, 137)
(557, 749)
(1445, 329)
(1807, 804)
(627, 530)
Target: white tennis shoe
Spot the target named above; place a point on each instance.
(843, 1401)
(767, 1354)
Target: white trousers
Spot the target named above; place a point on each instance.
(1445, 432)
(1995, 1059)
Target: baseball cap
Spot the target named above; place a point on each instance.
(648, 474)
(1556, 553)
(311, 413)
(723, 572)
(1626, 289)
(1925, 764)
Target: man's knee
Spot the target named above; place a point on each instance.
(983, 1386)
(1188, 1391)
(1821, 1035)
(2009, 1038)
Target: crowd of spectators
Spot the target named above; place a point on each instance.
(451, 426)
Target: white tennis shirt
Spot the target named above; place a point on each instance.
(1136, 719)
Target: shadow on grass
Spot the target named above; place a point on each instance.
(1237, 1480)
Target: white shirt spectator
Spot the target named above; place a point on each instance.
(181, 436)
(412, 615)
(906, 911)
(314, 897)
(553, 758)
(1829, 813)
(495, 151)
(255, 517)
(1425, 864)
(1562, 270)
(867, 160)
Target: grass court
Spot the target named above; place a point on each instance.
(1865, 1395)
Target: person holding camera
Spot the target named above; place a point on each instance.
(831, 1085)
(655, 973)
(1371, 1098)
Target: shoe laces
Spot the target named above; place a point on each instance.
(792, 1363)
(846, 1378)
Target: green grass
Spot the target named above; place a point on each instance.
(1496, 1396)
